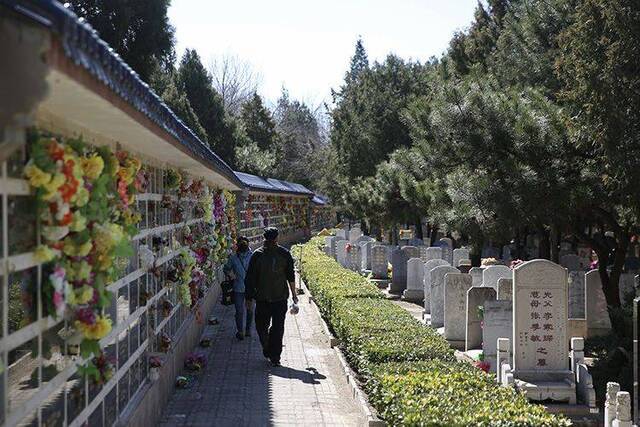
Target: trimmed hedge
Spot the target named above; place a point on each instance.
(408, 370)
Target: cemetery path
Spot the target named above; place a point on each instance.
(241, 388)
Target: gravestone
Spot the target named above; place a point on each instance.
(415, 242)
(491, 274)
(497, 322)
(341, 234)
(577, 295)
(399, 260)
(433, 252)
(379, 268)
(540, 333)
(505, 289)
(364, 238)
(540, 317)
(341, 252)
(390, 250)
(354, 234)
(571, 262)
(456, 286)
(598, 322)
(334, 247)
(447, 249)
(328, 242)
(415, 280)
(437, 294)
(458, 255)
(356, 257)
(411, 252)
(366, 255)
(476, 274)
(506, 254)
(464, 266)
(476, 297)
(428, 266)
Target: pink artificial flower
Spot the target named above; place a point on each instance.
(58, 303)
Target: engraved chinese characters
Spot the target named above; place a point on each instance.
(540, 316)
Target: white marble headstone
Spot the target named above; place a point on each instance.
(497, 323)
(415, 280)
(428, 266)
(540, 317)
(476, 274)
(366, 255)
(460, 254)
(456, 286)
(341, 252)
(354, 234)
(476, 297)
(433, 252)
(437, 294)
(491, 274)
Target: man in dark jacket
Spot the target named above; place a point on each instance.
(269, 280)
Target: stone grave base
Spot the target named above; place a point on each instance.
(558, 387)
(457, 344)
(380, 283)
(576, 328)
(397, 289)
(580, 415)
(413, 295)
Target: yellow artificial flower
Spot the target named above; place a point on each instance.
(37, 177)
(78, 223)
(93, 166)
(53, 185)
(44, 253)
(79, 271)
(71, 249)
(81, 197)
(126, 174)
(70, 295)
(98, 330)
(84, 294)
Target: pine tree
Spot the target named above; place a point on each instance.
(258, 124)
(359, 63)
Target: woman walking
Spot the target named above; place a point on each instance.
(236, 269)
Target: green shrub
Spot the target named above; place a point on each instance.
(408, 370)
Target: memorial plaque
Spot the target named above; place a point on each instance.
(540, 317)
(428, 266)
(437, 294)
(476, 297)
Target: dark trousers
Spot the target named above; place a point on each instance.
(271, 313)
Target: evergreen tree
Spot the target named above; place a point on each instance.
(359, 63)
(258, 124)
(195, 81)
(138, 30)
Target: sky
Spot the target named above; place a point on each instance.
(306, 45)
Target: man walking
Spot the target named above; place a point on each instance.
(269, 280)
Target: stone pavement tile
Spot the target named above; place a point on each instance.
(239, 387)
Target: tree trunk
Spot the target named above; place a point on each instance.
(545, 243)
(555, 244)
(434, 233)
(418, 224)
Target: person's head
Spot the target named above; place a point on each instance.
(242, 244)
(270, 235)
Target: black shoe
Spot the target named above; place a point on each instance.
(239, 336)
(275, 363)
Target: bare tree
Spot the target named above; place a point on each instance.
(235, 80)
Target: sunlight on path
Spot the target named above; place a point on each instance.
(239, 387)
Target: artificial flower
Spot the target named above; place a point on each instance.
(57, 279)
(98, 330)
(59, 303)
(81, 197)
(92, 166)
(44, 253)
(54, 233)
(84, 294)
(78, 223)
(54, 185)
(37, 177)
(70, 248)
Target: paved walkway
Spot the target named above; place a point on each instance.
(239, 387)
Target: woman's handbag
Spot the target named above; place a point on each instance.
(227, 292)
